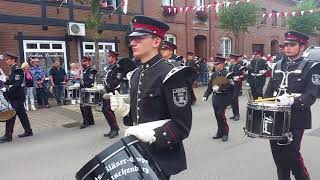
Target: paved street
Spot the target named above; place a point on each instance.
(57, 153)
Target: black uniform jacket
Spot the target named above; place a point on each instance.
(113, 78)
(223, 97)
(88, 77)
(306, 83)
(16, 83)
(255, 78)
(159, 91)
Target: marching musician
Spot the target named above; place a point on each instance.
(16, 96)
(305, 82)
(256, 74)
(167, 52)
(160, 106)
(221, 98)
(87, 77)
(111, 83)
(237, 70)
(190, 62)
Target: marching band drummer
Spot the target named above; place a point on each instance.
(287, 155)
(111, 83)
(16, 96)
(221, 98)
(87, 77)
(160, 106)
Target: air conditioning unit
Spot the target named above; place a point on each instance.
(76, 29)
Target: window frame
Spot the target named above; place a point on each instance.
(223, 46)
(167, 3)
(172, 36)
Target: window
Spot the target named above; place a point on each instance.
(167, 2)
(283, 21)
(88, 50)
(199, 2)
(274, 18)
(225, 46)
(171, 38)
(109, 3)
(46, 51)
(263, 20)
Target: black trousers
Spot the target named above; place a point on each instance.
(235, 99)
(87, 115)
(256, 91)
(18, 106)
(109, 115)
(221, 119)
(288, 158)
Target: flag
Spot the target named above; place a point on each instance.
(125, 6)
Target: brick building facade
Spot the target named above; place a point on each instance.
(36, 28)
(205, 39)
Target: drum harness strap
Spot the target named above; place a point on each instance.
(148, 156)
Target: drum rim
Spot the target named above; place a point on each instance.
(134, 140)
(254, 135)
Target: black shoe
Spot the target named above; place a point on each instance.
(225, 138)
(25, 134)
(217, 136)
(5, 139)
(113, 134)
(82, 126)
(107, 134)
(232, 117)
(236, 118)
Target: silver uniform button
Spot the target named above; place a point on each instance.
(142, 74)
(169, 142)
(139, 99)
(140, 83)
(164, 134)
(137, 117)
(139, 92)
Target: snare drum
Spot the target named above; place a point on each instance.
(71, 93)
(127, 159)
(91, 96)
(268, 120)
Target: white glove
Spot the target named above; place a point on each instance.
(204, 98)
(145, 135)
(236, 78)
(247, 84)
(215, 88)
(262, 71)
(285, 99)
(118, 105)
(107, 96)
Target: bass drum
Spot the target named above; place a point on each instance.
(126, 159)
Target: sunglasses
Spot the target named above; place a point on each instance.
(138, 39)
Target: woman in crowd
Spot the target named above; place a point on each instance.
(29, 86)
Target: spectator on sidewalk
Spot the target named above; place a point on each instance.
(74, 73)
(58, 79)
(29, 87)
(41, 89)
(203, 71)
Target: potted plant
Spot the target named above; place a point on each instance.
(168, 11)
(202, 15)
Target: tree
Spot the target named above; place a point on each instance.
(94, 24)
(238, 18)
(306, 23)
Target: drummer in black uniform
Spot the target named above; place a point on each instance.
(167, 52)
(256, 74)
(237, 71)
(160, 106)
(87, 78)
(306, 84)
(111, 83)
(16, 96)
(221, 98)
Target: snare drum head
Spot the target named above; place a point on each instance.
(117, 162)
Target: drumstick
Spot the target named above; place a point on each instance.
(266, 99)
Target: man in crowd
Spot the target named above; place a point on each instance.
(192, 64)
(111, 83)
(221, 98)
(305, 84)
(87, 78)
(160, 106)
(41, 89)
(167, 52)
(256, 74)
(58, 78)
(281, 55)
(16, 98)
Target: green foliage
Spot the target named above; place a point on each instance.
(237, 18)
(307, 23)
